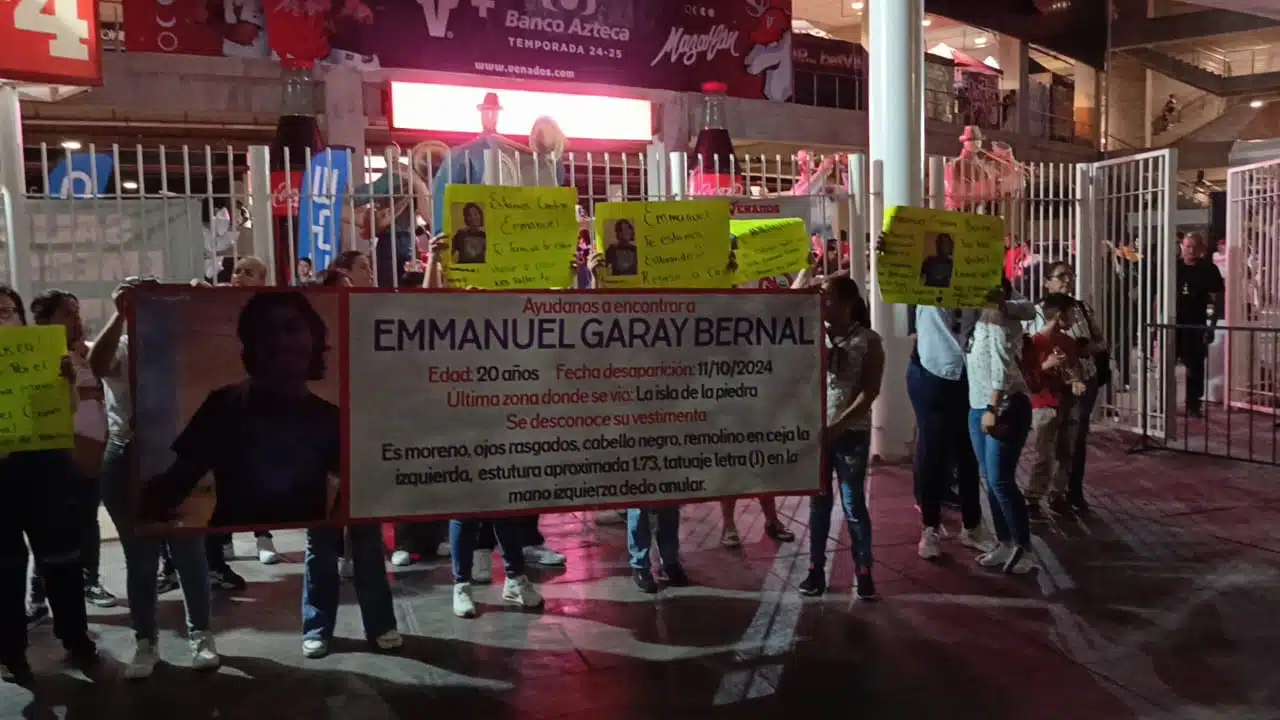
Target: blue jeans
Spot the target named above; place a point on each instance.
(941, 408)
(639, 538)
(321, 586)
(463, 535)
(998, 458)
(848, 456)
(142, 555)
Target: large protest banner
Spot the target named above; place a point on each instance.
(510, 238)
(236, 407)
(938, 257)
(35, 400)
(473, 403)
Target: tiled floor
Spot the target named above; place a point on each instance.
(1161, 604)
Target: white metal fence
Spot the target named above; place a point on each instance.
(1252, 360)
(181, 213)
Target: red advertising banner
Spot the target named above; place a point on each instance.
(745, 44)
(50, 41)
(285, 188)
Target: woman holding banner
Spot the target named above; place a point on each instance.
(855, 368)
(38, 499)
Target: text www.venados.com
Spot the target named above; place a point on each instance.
(638, 488)
(523, 70)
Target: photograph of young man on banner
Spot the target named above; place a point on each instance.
(239, 388)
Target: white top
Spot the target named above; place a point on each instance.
(993, 360)
(119, 395)
(845, 358)
(90, 418)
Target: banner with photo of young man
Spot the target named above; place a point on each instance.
(510, 238)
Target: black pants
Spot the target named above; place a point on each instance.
(38, 499)
(90, 494)
(943, 449)
(527, 526)
(1190, 347)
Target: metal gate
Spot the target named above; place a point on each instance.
(1127, 272)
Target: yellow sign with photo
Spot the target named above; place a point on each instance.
(680, 244)
(35, 399)
(938, 257)
(769, 248)
(510, 238)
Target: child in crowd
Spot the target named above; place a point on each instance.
(1052, 369)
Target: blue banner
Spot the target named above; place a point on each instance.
(320, 205)
(81, 175)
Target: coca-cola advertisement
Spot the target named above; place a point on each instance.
(745, 44)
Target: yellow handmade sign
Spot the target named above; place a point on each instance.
(768, 248)
(35, 400)
(510, 238)
(676, 244)
(936, 257)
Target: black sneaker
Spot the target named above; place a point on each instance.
(814, 584)
(1078, 503)
(166, 581)
(675, 576)
(37, 614)
(226, 579)
(17, 671)
(1058, 505)
(864, 588)
(98, 596)
(82, 653)
(644, 581)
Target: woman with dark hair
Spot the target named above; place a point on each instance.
(357, 268)
(38, 499)
(855, 368)
(999, 420)
(58, 307)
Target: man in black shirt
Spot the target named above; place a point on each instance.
(272, 445)
(935, 271)
(622, 258)
(1199, 287)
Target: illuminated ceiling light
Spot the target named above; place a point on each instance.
(980, 40)
(129, 185)
(71, 145)
(926, 22)
(943, 50)
(1256, 104)
(857, 5)
(991, 62)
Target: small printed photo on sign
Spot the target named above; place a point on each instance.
(621, 256)
(939, 260)
(236, 415)
(469, 243)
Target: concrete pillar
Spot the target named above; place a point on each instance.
(13, 192)
(1086, 103)
(897, 154)
(344, 118)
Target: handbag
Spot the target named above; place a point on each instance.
(1102, 358)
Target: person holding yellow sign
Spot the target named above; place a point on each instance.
(509, 238)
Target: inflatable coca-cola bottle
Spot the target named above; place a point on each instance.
(297, 132)
(712, 168)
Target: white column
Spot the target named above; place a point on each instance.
(264, 246)
(897, 155)
(13, 184)
(1086, 102)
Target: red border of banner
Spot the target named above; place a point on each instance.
(343, 346)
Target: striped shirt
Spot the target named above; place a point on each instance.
(993, 359)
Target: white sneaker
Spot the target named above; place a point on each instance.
(544, 556)
(346, 569)
(463, 605)
(929, 540)
(204, 654)
(389, 640)
(482, 567)
(610, 517)
(400, 558)
(996, 557)
(519, 591)
(229, 550)
(267, 554)
(144, 660)
(977, 539)
(314, 649)
(1021, 562)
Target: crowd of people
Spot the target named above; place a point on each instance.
(982, 384)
